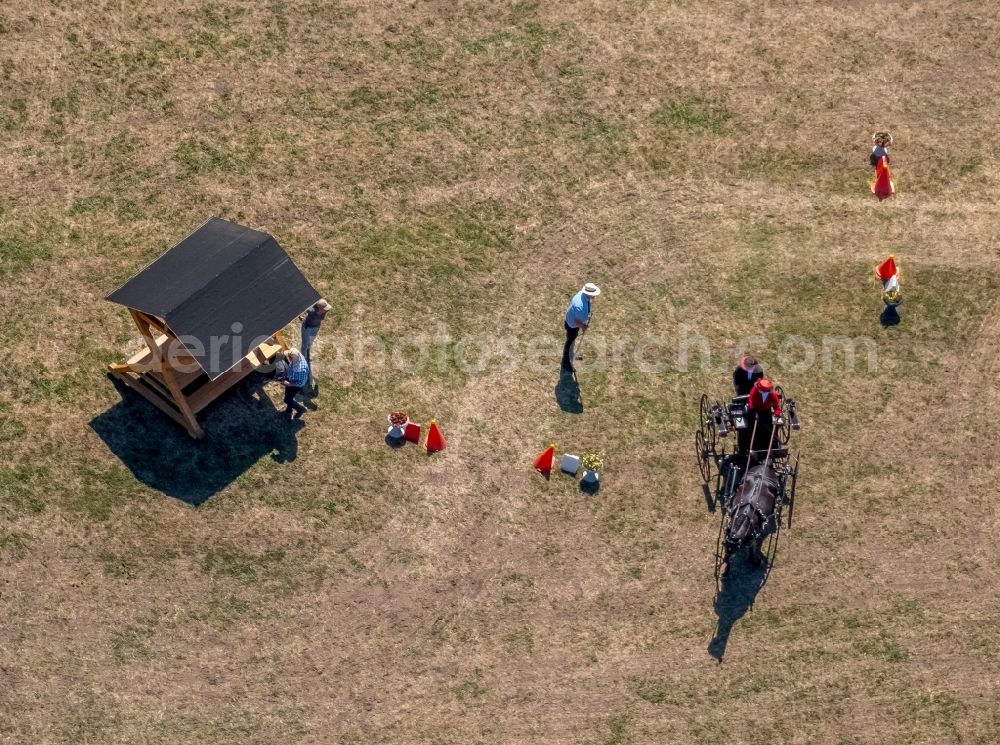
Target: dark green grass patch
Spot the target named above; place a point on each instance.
(653, 690)
(196, 155)
(20, 487)
(519, 642)
(13, 114)
(19, 252)
(119, 565)
(14, 543)
(102, 490)
(686, 111)
(85, 717)
(242, 566)
(132, 642)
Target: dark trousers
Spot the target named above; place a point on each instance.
(571, 333)
(762, 436)
(308, 337)
(743, 444)
(290, 402)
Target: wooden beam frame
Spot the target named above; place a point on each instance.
(146, 325)
(139, 385)
(154, 377)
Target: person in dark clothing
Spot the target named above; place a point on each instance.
(311, 321)
(746, 374)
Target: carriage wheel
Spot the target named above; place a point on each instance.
(704, 412)
(791, 494)
(704, 456)
(785, 430)
(712, 438)
(770, 548)
(720, 550)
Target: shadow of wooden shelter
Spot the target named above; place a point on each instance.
(245, 427)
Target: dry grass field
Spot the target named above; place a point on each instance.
(455, 170)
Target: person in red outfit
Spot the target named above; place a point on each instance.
(762, 398)
(764, 409)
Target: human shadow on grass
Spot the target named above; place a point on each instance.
(241, 427)
(733, 600)
(568, 393)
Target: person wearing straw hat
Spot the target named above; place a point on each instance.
(577, 320)
(311, 321)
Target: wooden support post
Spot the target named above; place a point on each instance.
(182, 403)
(145, 324)
(159, 375)
(153, 322)
(140, 386)
(142, 323)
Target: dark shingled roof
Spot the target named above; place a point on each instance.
(221, 275)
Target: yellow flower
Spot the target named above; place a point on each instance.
(892, 297)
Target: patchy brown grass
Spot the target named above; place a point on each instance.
(706, 164)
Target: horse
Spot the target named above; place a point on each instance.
(751, 509)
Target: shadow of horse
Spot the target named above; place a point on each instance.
(736, 596)
(242, 427)
(568, 393)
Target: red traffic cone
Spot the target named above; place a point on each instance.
(887, 269)
(545, 461)
(435, 440)
(882, 186)
(412, 432)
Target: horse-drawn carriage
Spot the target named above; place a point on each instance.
(754, 482)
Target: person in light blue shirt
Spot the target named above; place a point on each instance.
(577, 319)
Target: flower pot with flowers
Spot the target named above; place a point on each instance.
(592, 464)
(891, 299)
(397, 423)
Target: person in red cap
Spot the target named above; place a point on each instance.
(762, 398)
(746, 374)
(763, 408)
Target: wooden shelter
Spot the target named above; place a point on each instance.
(210, 311)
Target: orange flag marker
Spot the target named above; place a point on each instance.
(546, 460)
(882, 186)
(887, 269)
(435, 440)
